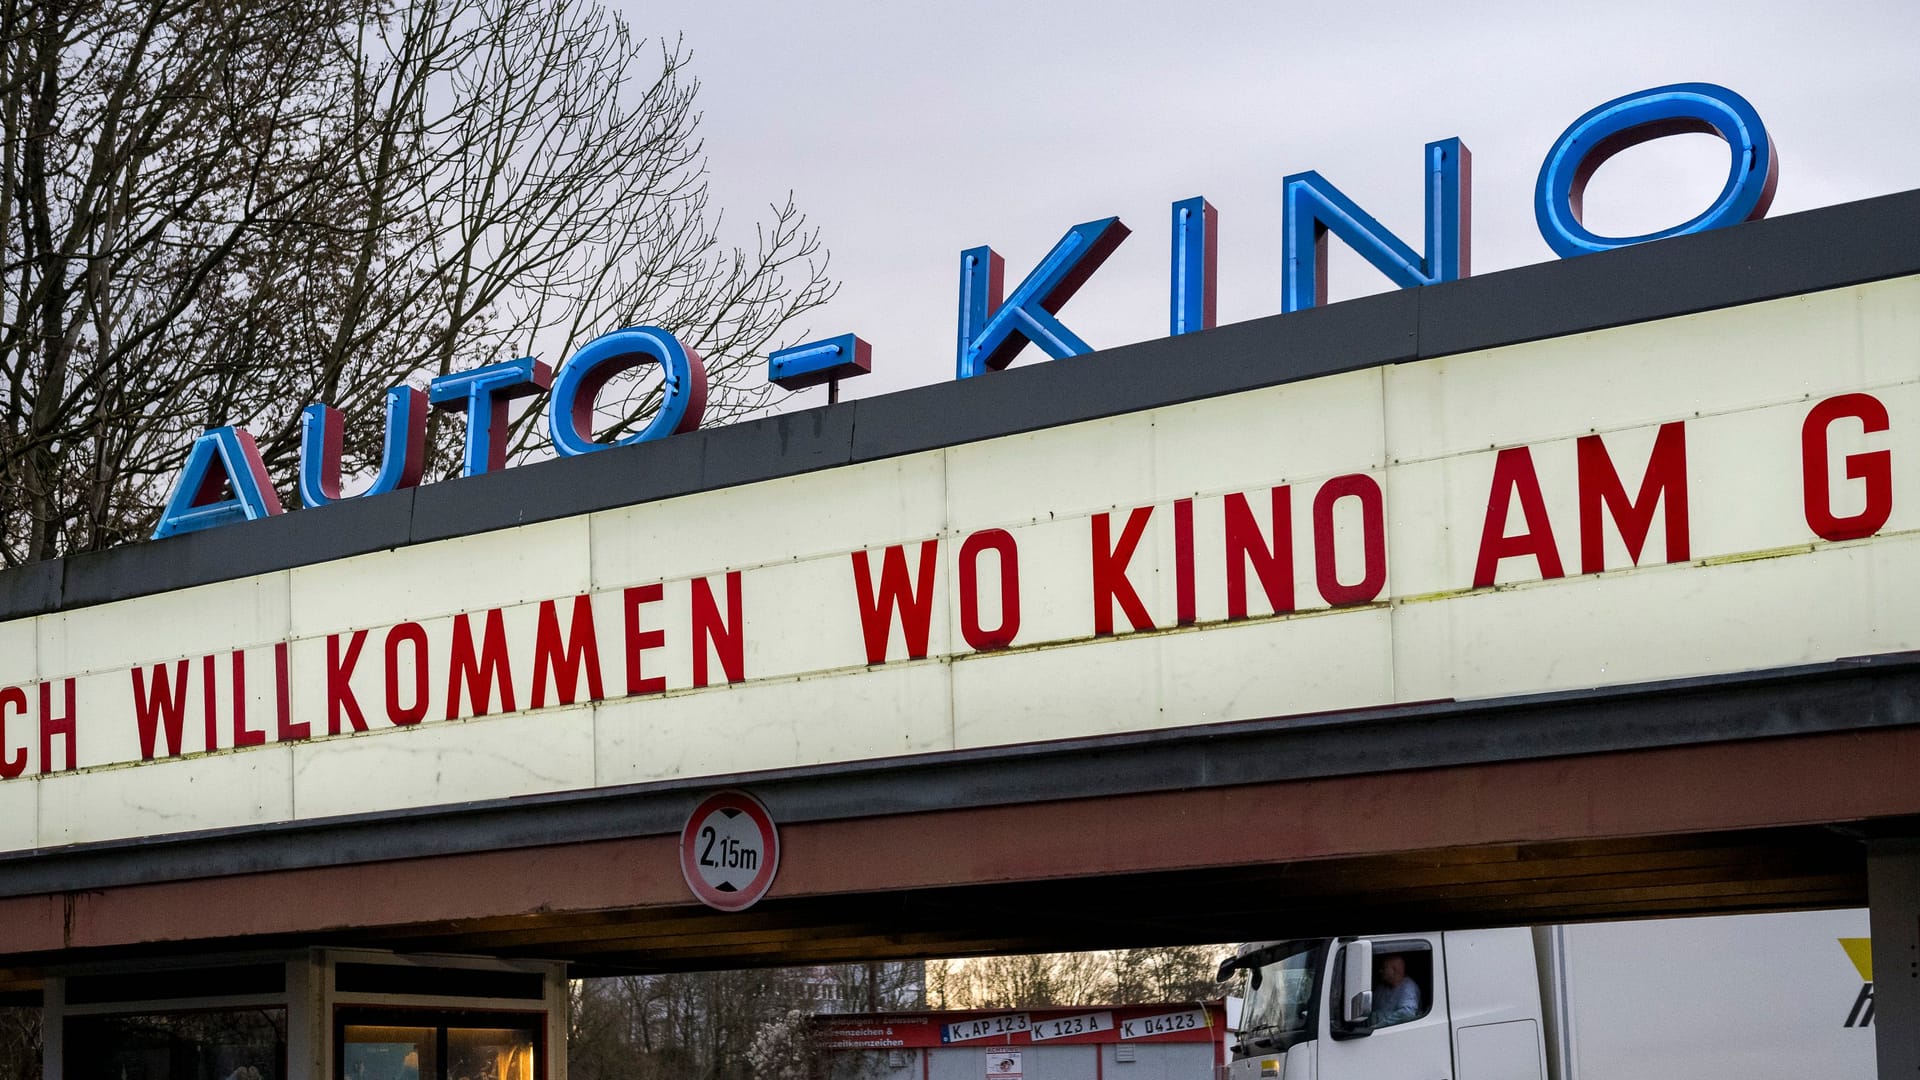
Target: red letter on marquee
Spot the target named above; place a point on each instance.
(638, 640)
(1186, 608)
(726, 638)
(16, 764)
(242, 735)
(1600, 486)
(1373, 540)
(914, 603)
(165, 705)
(285, 730)
(1110, 584)
(63, 726)
(1513, 471)
(1001, 542)
(1272, 563)
(1876, 468)
(209, 704)
(565, 658)
(480, 675)
(340, 699)
(410, 714)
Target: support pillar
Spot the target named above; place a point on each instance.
(1893, 895)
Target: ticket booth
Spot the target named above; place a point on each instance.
(345, 1014)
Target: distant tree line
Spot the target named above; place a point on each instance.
(1117, 977)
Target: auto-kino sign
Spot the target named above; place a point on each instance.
(1722, 491)
(995, 325)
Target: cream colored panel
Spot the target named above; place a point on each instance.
(1094, 688)
(794, 518)
(19, 814)
(1779, 351)
(19, 651)
(887, 712)
(189, 622)
(1059, 472)
(806, 616)
(1662, 622)
(442, 761)
(1262, 438)
(1279, 667)
(211, 792)
(471, 573)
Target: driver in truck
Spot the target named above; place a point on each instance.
(1396, 998)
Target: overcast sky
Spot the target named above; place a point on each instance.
(909, 131)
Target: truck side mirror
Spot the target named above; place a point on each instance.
(1357, 983)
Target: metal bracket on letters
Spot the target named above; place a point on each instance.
(827, 361)
(196, 503)
(992, 333)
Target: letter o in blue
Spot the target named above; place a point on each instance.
(683, 399)
(1636, 118)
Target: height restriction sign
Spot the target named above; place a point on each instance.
(729, 851)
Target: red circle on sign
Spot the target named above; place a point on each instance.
(729, 851)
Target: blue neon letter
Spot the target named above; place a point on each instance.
(196, 503)
(993, 333)
(402, 452)
(683, 394)
(1650, 114)
(1196, 258)
(483, 394)
(800, 366)
(1312, 207)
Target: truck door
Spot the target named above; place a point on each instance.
(1407, 1038)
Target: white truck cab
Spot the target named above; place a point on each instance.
(1747, 997)
(1476, 1005)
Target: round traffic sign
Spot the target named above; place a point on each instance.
(729, 851)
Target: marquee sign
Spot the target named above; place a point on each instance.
(1721, 491)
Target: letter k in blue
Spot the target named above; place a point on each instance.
(992, 333)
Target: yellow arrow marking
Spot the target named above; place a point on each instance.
(1860, 951)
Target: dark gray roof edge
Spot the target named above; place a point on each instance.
(1847, 695)
(1819, 249)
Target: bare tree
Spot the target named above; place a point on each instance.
(694, 1026)
(1124, 976)
(20, 1027)
(1169, 973)
(217, 212)
(1019, 981)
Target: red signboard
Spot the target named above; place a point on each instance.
(1178, 1022)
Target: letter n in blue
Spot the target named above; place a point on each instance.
(1313, 208)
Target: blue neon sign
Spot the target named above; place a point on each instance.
(224, 481)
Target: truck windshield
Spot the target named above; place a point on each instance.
(1282, 981)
